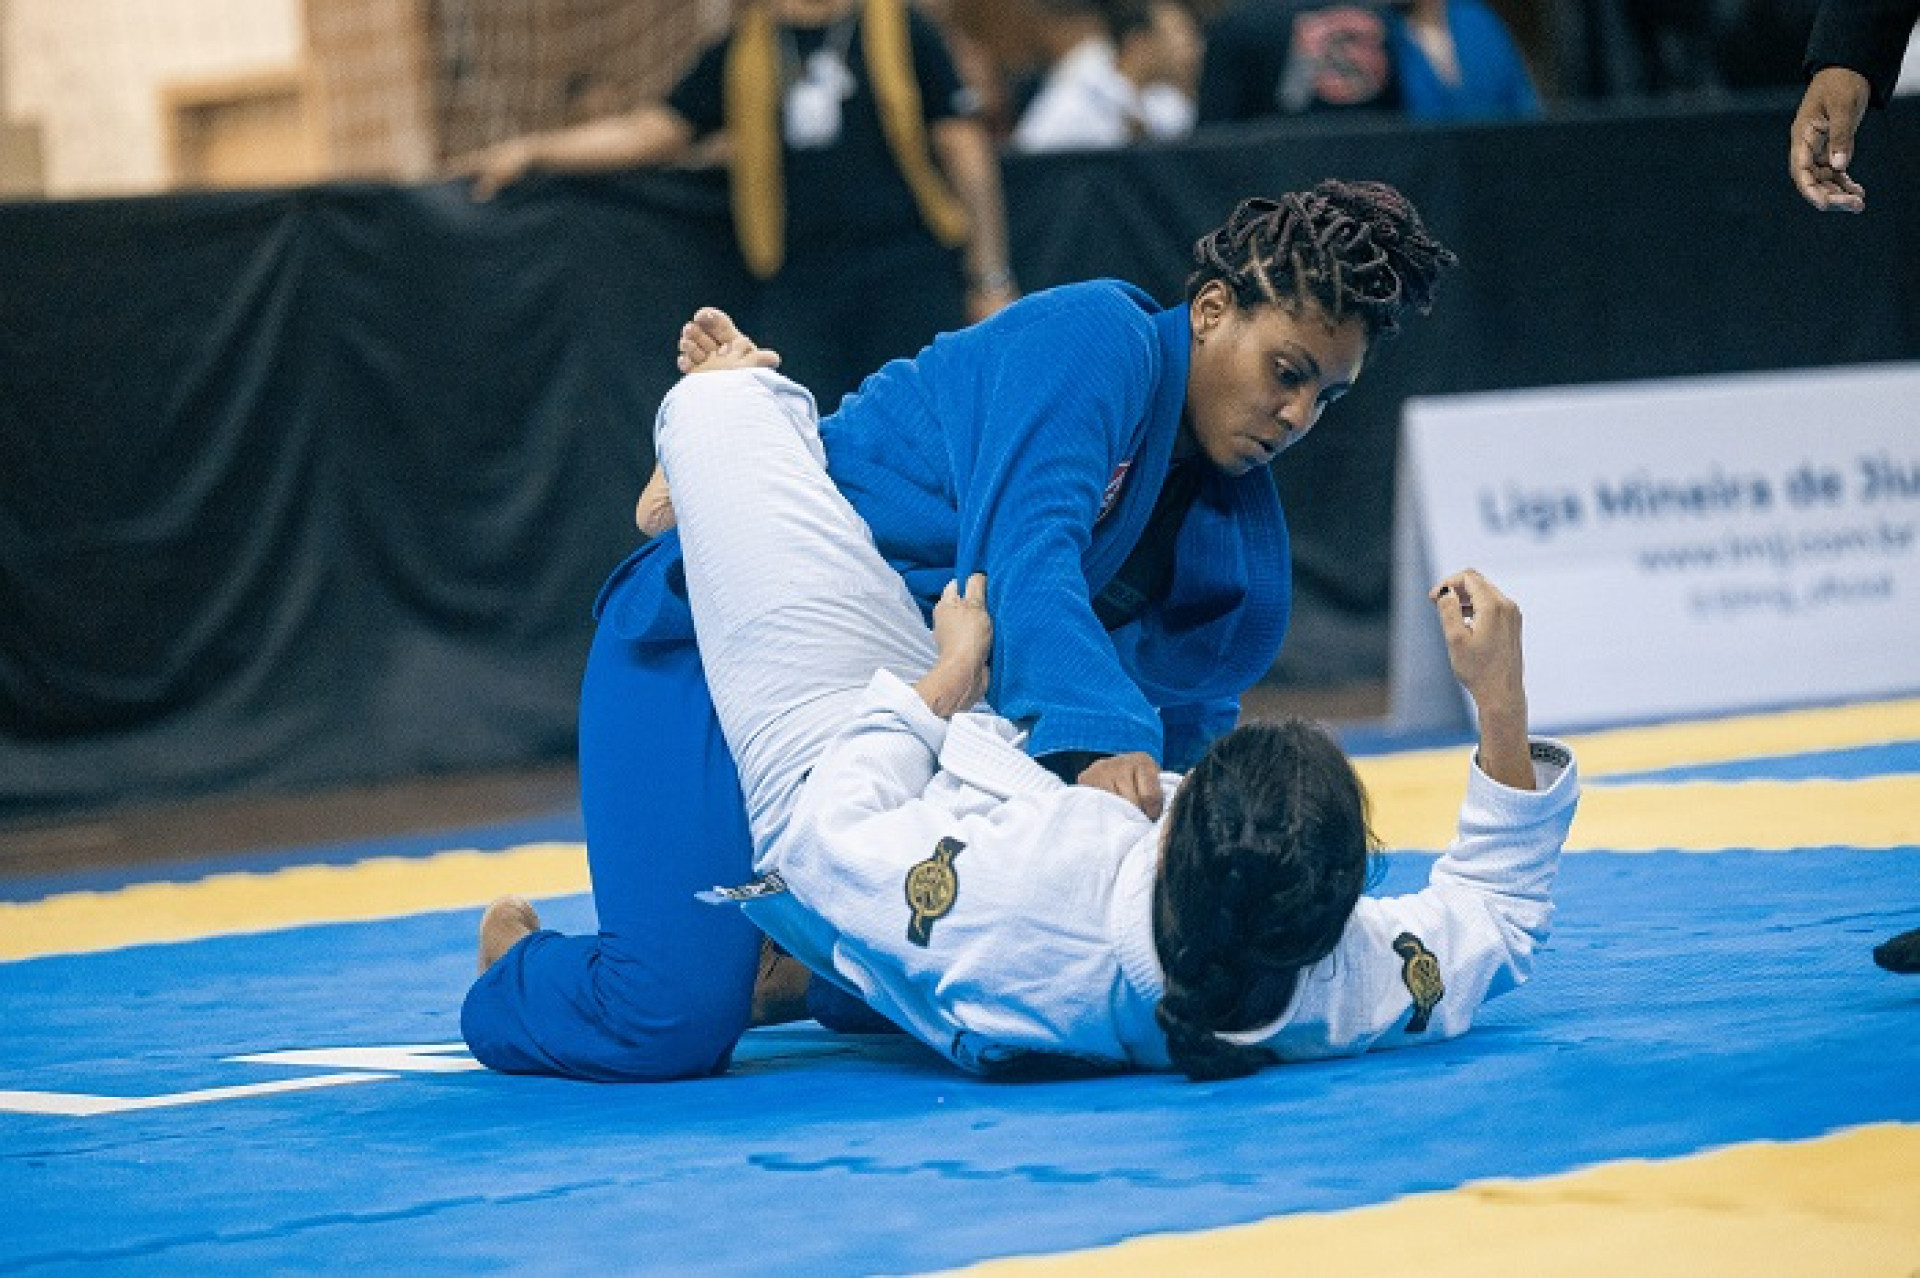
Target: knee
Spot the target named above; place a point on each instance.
(663, 1032)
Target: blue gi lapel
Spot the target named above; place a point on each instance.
(1151, 451)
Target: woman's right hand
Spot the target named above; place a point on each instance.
(495, 167)
(963, 632)
(1482, 629)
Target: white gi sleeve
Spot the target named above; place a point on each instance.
(864, 818)
(885, 757)
(1414, 969)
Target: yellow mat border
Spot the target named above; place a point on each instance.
(232, 904)
(1839, 1205)
(1414, 795)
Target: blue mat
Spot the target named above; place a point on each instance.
(1686, 1001)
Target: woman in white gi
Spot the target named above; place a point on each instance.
(908, 849)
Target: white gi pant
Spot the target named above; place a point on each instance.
(793, 606)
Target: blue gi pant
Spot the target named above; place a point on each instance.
(666, 987)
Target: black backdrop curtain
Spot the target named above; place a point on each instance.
(308, 487)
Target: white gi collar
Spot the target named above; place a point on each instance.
(985, 751)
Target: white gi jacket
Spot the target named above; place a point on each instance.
(1005, 918)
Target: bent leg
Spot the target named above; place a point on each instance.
(794, 606)
(664, 991)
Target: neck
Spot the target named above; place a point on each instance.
(1184, 444)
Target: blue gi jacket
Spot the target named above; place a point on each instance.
(1032, 447)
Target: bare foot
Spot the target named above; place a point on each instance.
(710, 341)
(506, 922)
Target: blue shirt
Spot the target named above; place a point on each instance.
(1494, 83)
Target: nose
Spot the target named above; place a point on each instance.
(1297, 414)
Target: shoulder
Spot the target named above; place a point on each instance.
(924, 31)
(1478, 21)
(707, 64)
(698, 94)
(1108, 303)
(1103, 324)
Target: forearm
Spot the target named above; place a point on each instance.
(950, 687)
(652, 135)
(967, 158)
(1504, 753)
(1056, 667)
(883, 758)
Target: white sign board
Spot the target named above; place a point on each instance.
(1677, 548)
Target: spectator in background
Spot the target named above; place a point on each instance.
(866, 195)
(1853, 58)
(1121, 71)
(1292, 57)
(1761, 43)
(1457, 61)
(1631, 48)
(1676, 42)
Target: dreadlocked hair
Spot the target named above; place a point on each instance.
(1351, 248)
(1267, 851)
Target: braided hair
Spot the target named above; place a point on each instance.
(1267, 851)
(1351, 248)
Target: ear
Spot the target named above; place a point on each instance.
(1209, 307)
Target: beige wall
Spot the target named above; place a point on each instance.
(106, 97)
(96, 76)
(19, 142)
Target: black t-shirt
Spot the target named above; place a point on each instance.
(1267, 58)
(1146, 578)
(851, 185)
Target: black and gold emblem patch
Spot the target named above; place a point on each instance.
(932, 887)
(1421, 972)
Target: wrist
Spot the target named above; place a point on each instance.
(996, 279)
(948, 688)
(1507, 712)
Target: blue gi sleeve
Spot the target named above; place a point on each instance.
(1062, 400)
(1191, 728)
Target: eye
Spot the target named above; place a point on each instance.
(1289, 377)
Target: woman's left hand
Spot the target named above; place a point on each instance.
(1135, 777)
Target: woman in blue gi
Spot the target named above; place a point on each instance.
(918, 857)
(1104, 462)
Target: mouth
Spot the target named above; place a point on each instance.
(1264, 450)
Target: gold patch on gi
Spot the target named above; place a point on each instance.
(932, 888)
(1421, 972)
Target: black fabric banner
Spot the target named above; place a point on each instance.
(312, 487)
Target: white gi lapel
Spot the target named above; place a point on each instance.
(985, 751)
